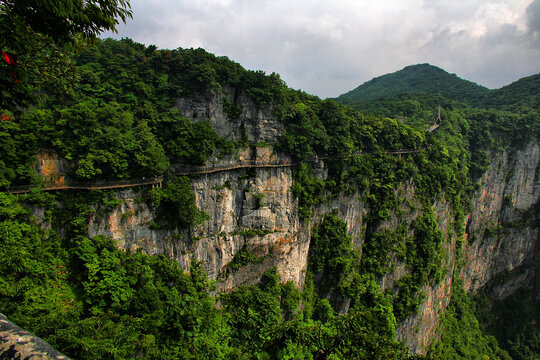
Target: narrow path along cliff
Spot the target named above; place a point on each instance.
(193, 170)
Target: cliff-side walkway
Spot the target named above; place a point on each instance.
(191, 170)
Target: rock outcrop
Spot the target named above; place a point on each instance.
(16, 343)
(234, 115)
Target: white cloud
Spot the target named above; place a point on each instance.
(330, 47)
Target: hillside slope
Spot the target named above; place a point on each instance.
(524, 92)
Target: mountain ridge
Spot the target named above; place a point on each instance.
(420, 78)
(526, 90)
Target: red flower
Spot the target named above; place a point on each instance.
(10, 58)
(4, 117)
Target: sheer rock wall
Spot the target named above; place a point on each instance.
(503, 226)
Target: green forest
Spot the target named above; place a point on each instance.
(108, 108)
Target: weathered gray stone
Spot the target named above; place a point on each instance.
(503, 229)
(16, 343)
(256, 123)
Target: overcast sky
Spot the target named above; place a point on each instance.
(328, 47)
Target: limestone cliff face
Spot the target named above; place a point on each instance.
(503, 227)
(418, 330)
(259, 212)
(502, 235)
(233, 115)
(256, 210)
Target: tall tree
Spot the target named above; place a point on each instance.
(37, 32)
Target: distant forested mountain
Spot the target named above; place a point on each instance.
(416, 79)
(425, 83)
(524, 92)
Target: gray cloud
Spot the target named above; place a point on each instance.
(328, 48)
(533, 17)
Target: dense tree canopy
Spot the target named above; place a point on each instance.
(60, 20)
(38, 33)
